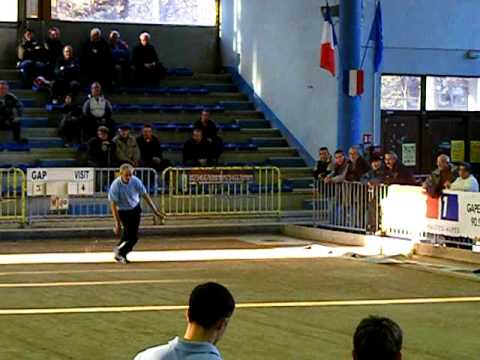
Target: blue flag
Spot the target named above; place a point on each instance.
(376, 35)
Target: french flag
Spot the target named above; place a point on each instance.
(355, 82)
(329, 43)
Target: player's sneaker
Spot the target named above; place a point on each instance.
(121, 259)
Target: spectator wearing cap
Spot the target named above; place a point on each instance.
(197, 151)
(210, 133)
(96, 59)
(465, 181)
(97, 111)
(54, 47)
(210, 309)
(32, 58)
(101, 149)
(324, 164)
(442, 177)
(11, 109)
(127, 150)
(150, 151)
(69, 128)
(147, 67)
(395, 172)
(376, 174)
(120, 57)
(67, 75)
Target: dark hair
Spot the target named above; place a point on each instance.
(28, 30)
(377, 338)
(197, 128)
(466, 165)
(323, 148)
(209, 303)
(375, 157)
(340, 151)
(147, 126)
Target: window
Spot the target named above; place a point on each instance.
(174, 12)
(32, 9)
(401, 92)
(9, 11)
(453, 94)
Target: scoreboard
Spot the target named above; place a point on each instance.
(60, 182)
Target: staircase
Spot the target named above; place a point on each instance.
(250, 139)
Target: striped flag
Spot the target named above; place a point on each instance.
(329, 43)
(355, 82)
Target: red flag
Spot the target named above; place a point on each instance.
(329, 42)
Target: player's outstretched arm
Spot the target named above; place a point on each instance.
(152, 205)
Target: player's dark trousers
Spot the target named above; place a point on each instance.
(131, 221)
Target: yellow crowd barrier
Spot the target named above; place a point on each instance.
(13, 200)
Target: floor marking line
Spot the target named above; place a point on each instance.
(258, 305)
(66, 272)
(93, 283)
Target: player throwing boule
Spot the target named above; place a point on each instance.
(125, 195)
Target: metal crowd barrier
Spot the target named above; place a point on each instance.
(13, 196)
(221, 192)
(349, 206)
(90, 206)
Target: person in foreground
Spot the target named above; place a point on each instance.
(125, 194)
(377, 338)
(210, 308)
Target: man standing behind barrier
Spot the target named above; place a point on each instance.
(125, 194)
(442, 177)
(210, 308)
(340, 170)
(395, 172)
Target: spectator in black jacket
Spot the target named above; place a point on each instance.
(210, 133)
(358, 165)
(101, 149)
(11, 109)
(147, 66)
(67, 75)
(96, 59)
(32, 58)
(340, 170)
(150, 151)
(69, 128)
(376, 175)
(120, 57)
(54, 47)
(197, 151)
(97, 111)
(324, 164)
(396, 172)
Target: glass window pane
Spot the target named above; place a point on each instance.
(452, 94)
(9, 11)
(175, 12)
(32, 9)
(401, 92)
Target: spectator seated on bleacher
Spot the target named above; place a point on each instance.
(210, 133)
(340, 169)
(69, 127)
(11, 109)
(120, 58)
(358, 165)
(395, 172)
(67, 75)
(376, 174)
(32, 58)
(101, 150)
(197, 151)
(324, 164)
(127, 150)
(96, 59)
(54, 47)
(441, 178)
(377, 338)
(465, 181)
(97, 111)
(150, 152)
(147, 67)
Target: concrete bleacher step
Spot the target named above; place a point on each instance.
(253, 123)
(301, 182)
(269, 141)
(286, 161)
(57, 162)
(34, 122)
(35, 132)
(295, 172)
(45, 142)
(10, 74)
(236, 105)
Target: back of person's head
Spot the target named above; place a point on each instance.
(210, 303)
(377, 338)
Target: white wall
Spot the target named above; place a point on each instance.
(278, 44)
